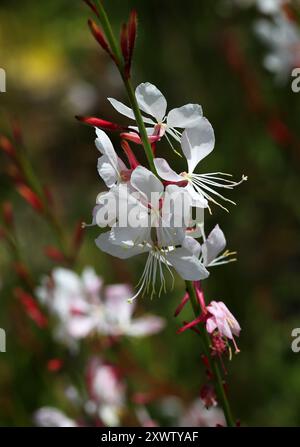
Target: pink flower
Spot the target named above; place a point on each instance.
(106, 390)
(222, 319)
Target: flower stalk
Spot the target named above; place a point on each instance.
(107, 29)
(117, 57)
(213, 361)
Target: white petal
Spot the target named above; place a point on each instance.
(67, 280)
(197, 143)
(51, 417)
(211, 325)
(106, 171)
(185, 116)
(165, 171)
(214, 244)
(146, 182)
(192, 245)
(151, 100)
(129, 237)
(126, 111)
(140, 327)
(123, 252)
(197, 198)
(91, 281)
(81, 327)
(103, 143)
(121, 108)
(187, 265)
(117, 307)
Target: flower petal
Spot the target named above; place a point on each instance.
(187, 265)
(106, 171)
(198, 200)
(129, 237)
(213, 245)
(151, 100)
(210, 325)
(146, 182)
(165, 171)
(126, 111)
(192, 245)
(185, 116)
(197, 143)
(140, 327)
(117, 307)
(104, 243)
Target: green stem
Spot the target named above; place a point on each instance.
(213, 361)
(107, 29)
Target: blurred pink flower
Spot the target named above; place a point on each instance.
(106, 391)
(52, 417)
(83, 306)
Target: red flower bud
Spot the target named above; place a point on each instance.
(98, 122)
(127, 41)
(92, 6)
(124, 43)
(131, 31)
(31, 307)
(31, 197)
(100, 38)
(7, 146)
(54, 254)
(54, 365)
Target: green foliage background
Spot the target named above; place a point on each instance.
(47, 52)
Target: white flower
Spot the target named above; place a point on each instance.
(153, 103)
(118, 315)
(106, 391)
(222, 320)
(197, 415)
(196, 144)
(265, 6)
(110, 167)
(63, 294)
(283, 38)
(270, 6)
(163, 242)
(83, 307)
(52, 417)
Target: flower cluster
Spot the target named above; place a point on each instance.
(152, 212)
(82, 306)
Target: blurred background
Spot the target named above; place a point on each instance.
(199, 52)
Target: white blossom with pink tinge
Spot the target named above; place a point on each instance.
(83, 306)
(197, 415)
(152, 102)
(222, 320)
(106, 392)
(52, 417)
